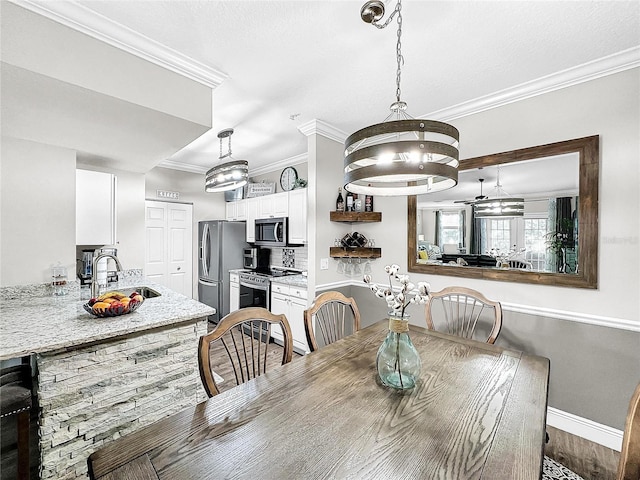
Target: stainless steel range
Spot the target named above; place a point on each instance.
(255, 290)
(255, 287)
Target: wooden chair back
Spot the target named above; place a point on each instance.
(245, 335)
(520, 264)
(629, 466)
(334, 314)
(459, 311)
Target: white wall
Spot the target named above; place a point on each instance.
(37, 219)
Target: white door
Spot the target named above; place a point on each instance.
(168, 253)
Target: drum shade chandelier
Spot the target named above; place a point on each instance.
(504, 206)
(229, 175)
(401, 155)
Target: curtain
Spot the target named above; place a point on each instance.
(463, 228)
(477, 234)
(436, 240)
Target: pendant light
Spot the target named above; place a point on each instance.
(229, 175)
(401, 155)
(504, 206)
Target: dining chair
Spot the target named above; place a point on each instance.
(334, 316)
(459, 311)
(245, 336)
(16, 399)
(629, 463)
(520, 264)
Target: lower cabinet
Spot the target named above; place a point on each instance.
(234, 292)
(292, 301)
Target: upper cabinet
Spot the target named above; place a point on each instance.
(298, 216)
(236, 211)
(253, 204)
(95, 208)
(276, 205)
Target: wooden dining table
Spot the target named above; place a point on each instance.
(477, 412)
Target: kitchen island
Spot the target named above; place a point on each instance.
(101, 378)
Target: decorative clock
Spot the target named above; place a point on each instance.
(288, 178)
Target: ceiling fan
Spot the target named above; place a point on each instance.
(477, 198)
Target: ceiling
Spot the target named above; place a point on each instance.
(277, 65)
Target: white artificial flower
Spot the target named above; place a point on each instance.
(403, 279)
(366, 279)
(424, 288)
(393, 269)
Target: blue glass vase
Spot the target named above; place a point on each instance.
(398, 361)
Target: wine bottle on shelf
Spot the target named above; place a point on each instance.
(340, 201)
(349, 202)
(368, 203)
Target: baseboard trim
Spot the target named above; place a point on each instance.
(584, 428)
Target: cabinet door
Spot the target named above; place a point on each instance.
(234, 296)
(265, 208)
(281, 204)
(252, 214)
(298, 216)
(279, 305)
(230, 211)
(95, 208)
(297, 306)
(241, 209)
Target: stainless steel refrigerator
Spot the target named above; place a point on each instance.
(220, 249)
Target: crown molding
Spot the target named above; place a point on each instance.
(183, 167)
(85, 20)
(319, 127)
(295, 160)
(609, 65)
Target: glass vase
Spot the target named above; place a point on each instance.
(398, 362)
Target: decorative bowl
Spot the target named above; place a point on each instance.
(116, 308)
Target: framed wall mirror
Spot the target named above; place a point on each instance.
(528, 215)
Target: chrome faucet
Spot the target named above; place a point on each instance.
(95, 288)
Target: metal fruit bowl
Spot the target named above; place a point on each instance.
(113, 310)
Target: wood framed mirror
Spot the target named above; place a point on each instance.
(555, 240)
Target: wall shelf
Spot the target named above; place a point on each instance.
(354, 217)
(354, 252)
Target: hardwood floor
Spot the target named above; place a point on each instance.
(589, 460)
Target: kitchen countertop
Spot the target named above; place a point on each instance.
(38, 324)
(291, 280)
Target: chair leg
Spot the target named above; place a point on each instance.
(23, 445)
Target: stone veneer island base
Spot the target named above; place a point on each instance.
(101, 378)
(99, 393)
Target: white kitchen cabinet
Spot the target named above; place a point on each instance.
(298, 216)
(252, 214)
(236, 211)
(234, 292)
(276, 205)
(95, 208)
(292, 301)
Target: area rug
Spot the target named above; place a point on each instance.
(552, 470)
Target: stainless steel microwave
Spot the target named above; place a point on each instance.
(271, 232)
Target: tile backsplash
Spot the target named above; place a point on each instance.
(290, 257)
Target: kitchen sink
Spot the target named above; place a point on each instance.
(146, 292)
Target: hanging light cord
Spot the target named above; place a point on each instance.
(399, 58)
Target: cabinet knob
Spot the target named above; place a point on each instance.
(178, 268)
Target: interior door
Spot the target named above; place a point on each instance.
(169, 247)
(179, 248)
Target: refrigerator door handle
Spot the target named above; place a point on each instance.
(208, 284)
(204, 250)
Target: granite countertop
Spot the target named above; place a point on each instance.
(38, 324)
(292, 280)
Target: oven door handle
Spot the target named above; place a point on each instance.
(254, 287)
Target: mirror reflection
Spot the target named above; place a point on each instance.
(538, 223)
(520, 215)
